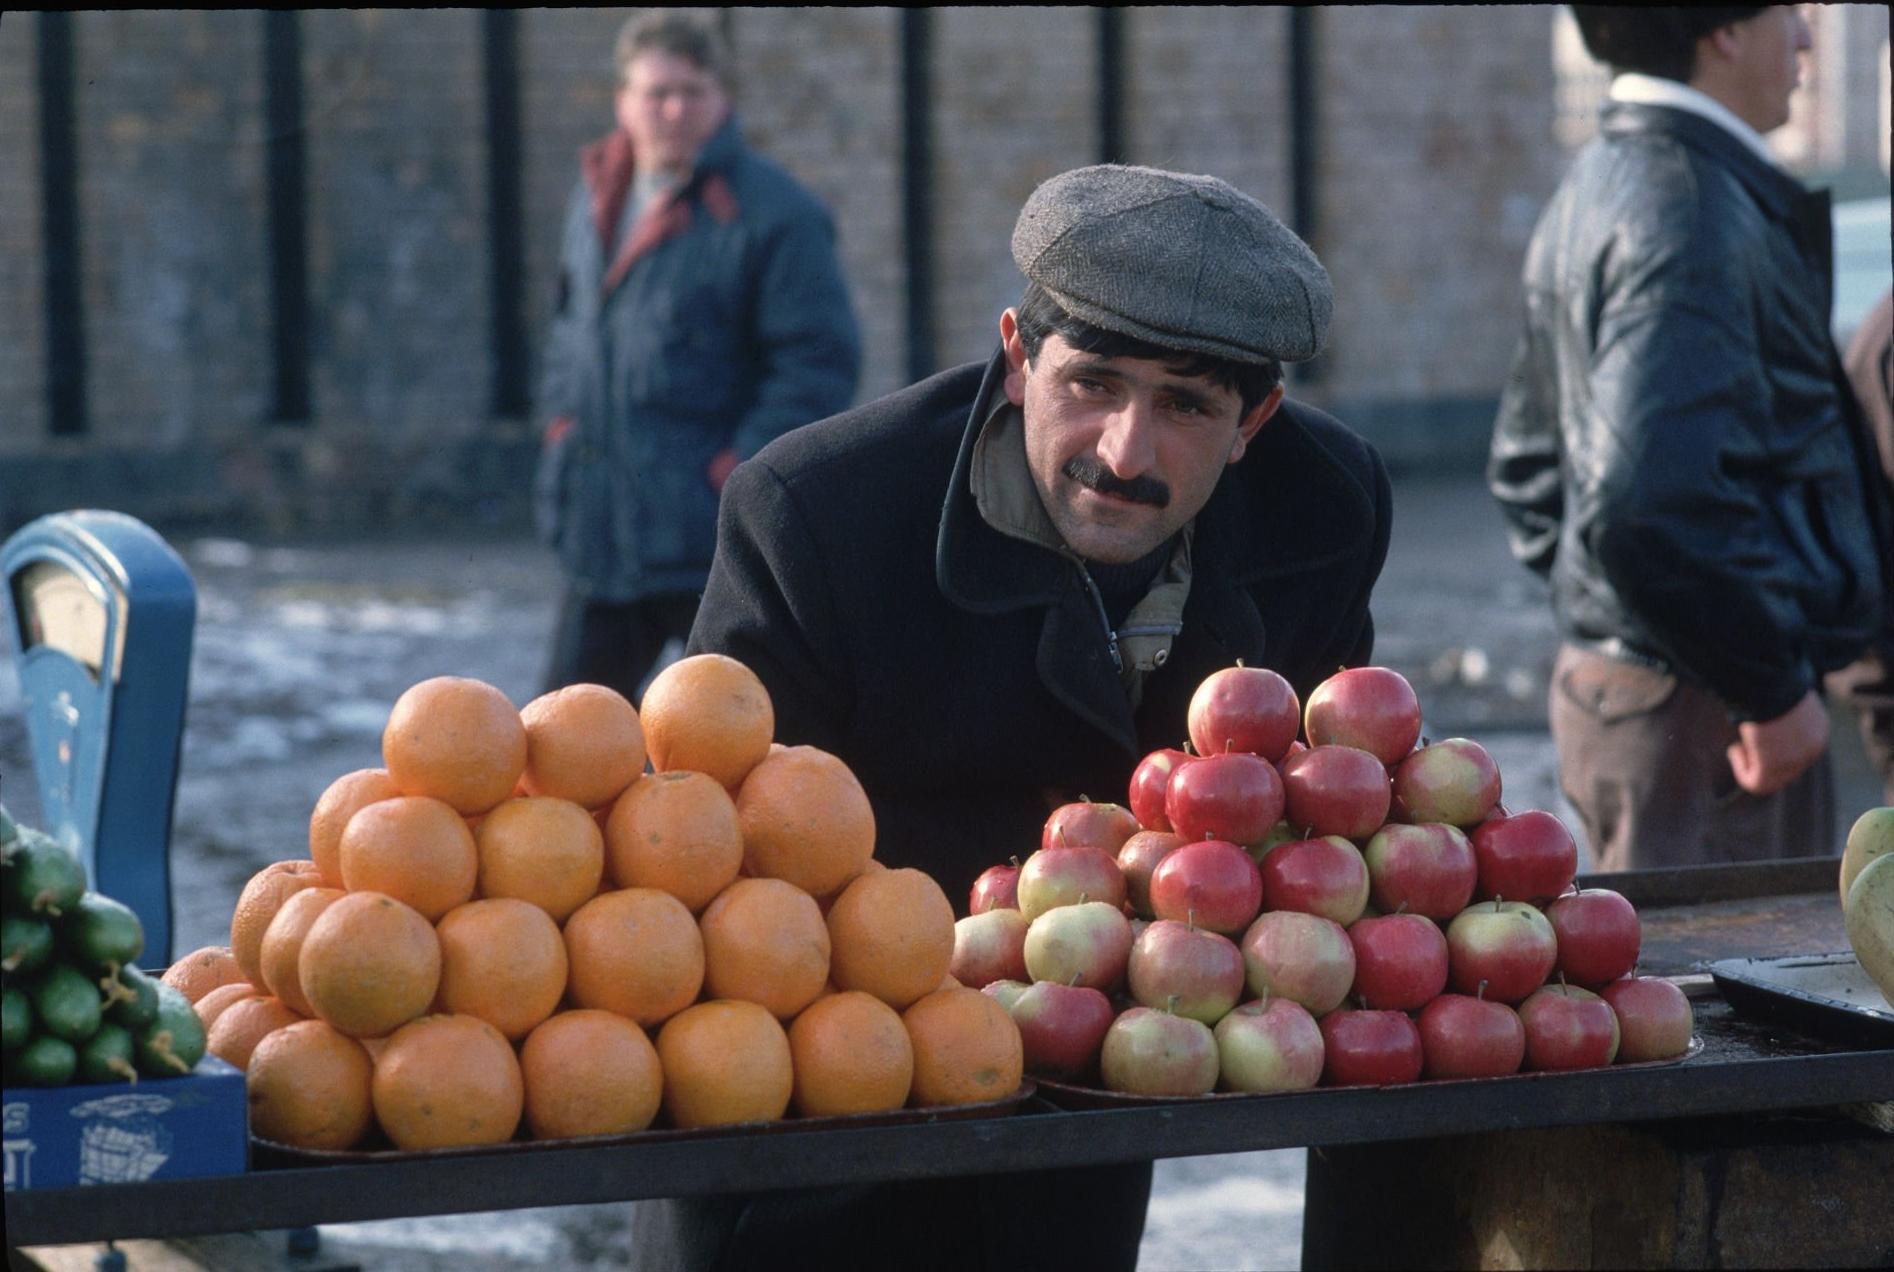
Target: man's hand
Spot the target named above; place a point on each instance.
(719, 469)
(1767, 756)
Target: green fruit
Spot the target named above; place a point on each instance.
(45, 878)
(173, 1043)
(18, 1019)
(67, 1003)
(135, 1002)
(26, 944)
(107, 1056)
(9, 829)
(101, 934)
(45, 1061)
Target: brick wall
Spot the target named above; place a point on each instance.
(22, 302)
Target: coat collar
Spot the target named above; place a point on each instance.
(608, 164)
(1779, 192)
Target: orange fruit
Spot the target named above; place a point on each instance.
(309, 1087)
(503, 960)
(805, 820)
(676, 831)
(543, 850)
(413, 848)
(724, 1062)
(258, 903)
(202, 970)
(457, 740)
(637, 952)
(346, 796)
(710, 714)
(891, 934)
(283, 944)
(242, 1025)
(764, 943)
(850, 1054)
(217, 1001)
(369, 964)
(444, 1081)
(966, 1048)
(583, 743)
(589, 1073)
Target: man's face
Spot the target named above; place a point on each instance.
(1765, 61)
(1123, 451)
(671, 106)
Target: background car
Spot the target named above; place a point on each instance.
(1864, 261)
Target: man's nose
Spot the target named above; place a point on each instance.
(1126, 445)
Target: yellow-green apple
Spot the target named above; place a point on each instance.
(1061, 1027)
(1211, 883)
(1138, 858)
(1006, 992)
(1373, 708)
(1054, 877)
(1466, 1036)
(1507, 946)
(1400, 961)
(1335, 790)
(1317, 876)
(1421, 867)
(1237, 797)
(1086, 824)
(1654, 1018)
(1868, 917)
(1265, 1046)
(1302, 957)
(988, 947)
(1084, 944)
(1244, 709)
(997, 888)
(1184, 969)
(1598, 935)
(1528, 856)
(1871, 836)
(1370, 1048)
(1568, 1028)
(1152, 1052)
(1150, 782)
(1454, 781)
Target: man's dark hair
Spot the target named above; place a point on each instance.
(692, 34)
(1039, 316)
(1654, 39)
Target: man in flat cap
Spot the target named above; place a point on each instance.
(995, 591)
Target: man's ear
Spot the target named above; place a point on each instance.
(1015, 350)
(1253, 422)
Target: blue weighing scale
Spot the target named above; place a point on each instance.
(101, 611)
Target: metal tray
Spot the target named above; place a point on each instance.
(1827, 995)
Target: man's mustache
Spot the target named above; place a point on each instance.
(1093, 475)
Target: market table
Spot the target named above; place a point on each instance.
(1691, 916)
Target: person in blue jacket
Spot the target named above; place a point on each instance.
(701, 313)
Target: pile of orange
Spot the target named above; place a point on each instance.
(582, 918)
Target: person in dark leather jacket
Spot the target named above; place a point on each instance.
(1676, 454)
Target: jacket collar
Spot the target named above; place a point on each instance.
(608, 163)
(1779, 192)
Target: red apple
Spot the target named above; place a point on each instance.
(1454, 781)
(1426, 868)
(1138, 858)
(1237, 797)
(1528, 856)
(1084, 823)
(1370, 1048)
(1507, 946)
(1053, 877)
(1084, 944)
(1302, 957)
(1598, 936)
(1150, 1052)
(1269, 1046)
(1373, 708)
(1654, 1018)
(997, 888)
(989, 947)
(1470, 1037)
(1061, 1027)
(1335, 790)
(1005, 992)
(1281, 833)
(1242, 708)
(1150, 781)
(1211, 884)
(1400, 961)
(1187, 970)
(1317, 876)
(1568, 1028)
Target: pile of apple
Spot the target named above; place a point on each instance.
(1364, 890)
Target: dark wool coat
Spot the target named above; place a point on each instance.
(965, 675)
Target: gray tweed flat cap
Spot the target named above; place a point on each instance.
(1184, 262)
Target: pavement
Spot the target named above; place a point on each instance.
(302, 647)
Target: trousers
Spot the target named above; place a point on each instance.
(615, 643)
